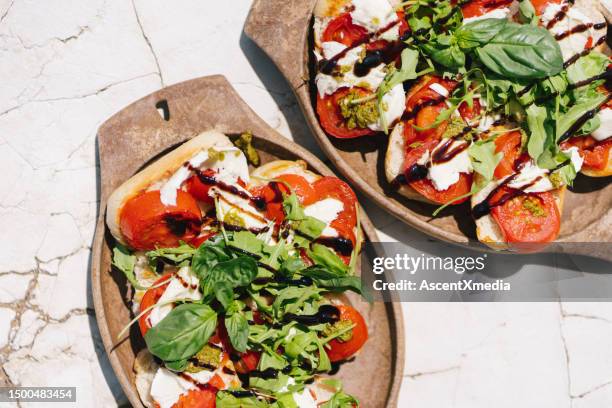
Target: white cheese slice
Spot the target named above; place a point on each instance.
(575, 157)
(230, 164)
(503, 12)
(167, 387)
(527, 175)
(575, 42)
(436, 87)
(325, 210)
(305, 399)
(238, 206)
(394, 103)
(176, 290)
(443, 175)
(328, 84)
(604, 131)
(373, 14)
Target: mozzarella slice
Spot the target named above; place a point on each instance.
(237, 206)
(229, 163)
(528, 174)
(575, 157)
(304, 399)
(374, 15)
(443, 175)
(604, 131)
(439, 89)
(326, 211)
(503, 12)
(573, 43)
(167, 387)
(394, 103)
(183, 285)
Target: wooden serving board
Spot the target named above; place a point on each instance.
(136, 135)
(282, 29)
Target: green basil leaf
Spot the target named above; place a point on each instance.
(182, 333)
(272, 385)
(224, 293)
(449, 56)
(246, 241)
(479, 32)
(322, 255)
(178, 366)
(208, 255)
(238, 331)
(527, 13)
(124, 261)
(237, 272)
(522, 52)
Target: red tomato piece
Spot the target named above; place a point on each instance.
(477, 8)
(595, 154)
(339, 350)
(150, 298)
(341, 29)
(331, 119)
(248, 362)
(520, 225)
(199, 189)
(196, 242)
(146, 223)
(205, 397)
(509, 144)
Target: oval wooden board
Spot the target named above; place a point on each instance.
(282, 30)
(135, 135)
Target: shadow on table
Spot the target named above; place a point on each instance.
(105, 365)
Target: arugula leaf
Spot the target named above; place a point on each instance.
(536, 115)
(272, 385)
(124, 261)
(522, 52)
(311, 227)
(328, 279)
(569, 118)
(182, 333)
(183, 252)
(479, 32)
(292, 298)
(527, 13)
(445, 51)
(238, 331)
(484, 159)
(226, 400)
(292, 208)
(245, 241)
(589, 66)
(341, 400)
(322, 255)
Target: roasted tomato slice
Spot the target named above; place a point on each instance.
(342, 350)
(328, 109)
(341, 29)
(333, 187)
(477, 8)
(248, 362)
(532, 218)
(146, 223)
(198, 188)
(150, 298)
(204, 397)
(595, 154)
(272, 194)
(509, 144)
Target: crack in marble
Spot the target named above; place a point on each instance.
(3, 16)
(592, 390)
(146, 38)
(433, 372)
(566, 352)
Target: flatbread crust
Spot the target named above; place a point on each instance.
(160, 170)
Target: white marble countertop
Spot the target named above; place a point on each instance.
(66, 66)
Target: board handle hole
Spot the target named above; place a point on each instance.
(163, 109)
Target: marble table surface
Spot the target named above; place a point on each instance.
(66, 66)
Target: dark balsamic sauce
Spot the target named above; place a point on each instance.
(342, 245)
(560, 15)
(326, 314)
(179, 225)
(586, 51)
(580, 28)
(583, 119)
(443, 154)
(327, 66)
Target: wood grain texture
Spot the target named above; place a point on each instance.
(282, 30)
(135, 135)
